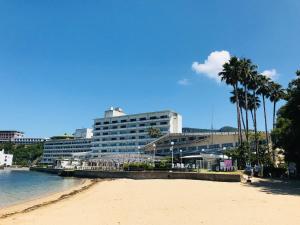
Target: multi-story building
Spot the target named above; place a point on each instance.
(27, 141)
(17, 137)
(118, 133)
(8, 135)
(77, 145)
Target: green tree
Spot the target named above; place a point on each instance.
(286, 134)
(276, 94)
(154, 132)
(264, 91)
(23, 155)
(231, 75)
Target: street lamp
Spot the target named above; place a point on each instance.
(154, 149)
(180, 158)
(171, 149)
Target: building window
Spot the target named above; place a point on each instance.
(143, 119)
(114, 121)
(164, 117)
(98, 123)
(152, 124)
(123, 126)
(153, 118)
(142, 125)
(133, 119)
(123, 121)
(106, 122)
(163, 123)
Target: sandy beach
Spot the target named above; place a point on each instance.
(149, 202)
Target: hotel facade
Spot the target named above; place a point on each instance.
(67, 147)
(117, 133)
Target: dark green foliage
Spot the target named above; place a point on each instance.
(24, 155)
(138, 166)
(286, 135)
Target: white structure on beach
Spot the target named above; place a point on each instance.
(5, 159)
(118, 133)
(68, 147)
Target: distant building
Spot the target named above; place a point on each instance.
(193, 144)
(118, 133)
(67, 147)
(8, 135)
(17, 137)
(28, 141)
(5, 159)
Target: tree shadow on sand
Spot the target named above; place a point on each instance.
(282, 187)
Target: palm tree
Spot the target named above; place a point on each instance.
(254, 103)
(241, 98)
(247, 69)
(231, 75)
(264, 91)
(277, 93)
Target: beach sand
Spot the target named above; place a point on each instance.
(155, 202)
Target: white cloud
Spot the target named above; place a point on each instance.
(271, 74)
(212, 65)
(184, 82)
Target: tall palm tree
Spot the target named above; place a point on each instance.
(247, 69)
(254, 103)
(264, 91)
(231, 75)
(241, 98)
(277, 93)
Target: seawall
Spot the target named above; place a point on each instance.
(142, 175)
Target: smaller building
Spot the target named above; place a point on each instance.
(186, 144)
(8, 135)
(5, 159)
(67, 147)
(28, 141)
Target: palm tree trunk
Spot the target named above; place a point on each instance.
(274, 115)
(246, 108)
(251, 111)
(242, 118)
(238, 114)
(255, 127)
(266, 125)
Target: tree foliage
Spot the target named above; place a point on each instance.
(154, 132)
(286, 135)
(24, 155)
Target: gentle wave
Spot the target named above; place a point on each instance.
(18, 186)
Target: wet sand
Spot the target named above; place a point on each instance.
(149, 202)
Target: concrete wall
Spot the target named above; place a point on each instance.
(143, 175)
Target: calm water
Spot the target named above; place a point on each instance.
(19, 186)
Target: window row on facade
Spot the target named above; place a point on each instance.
(114, 121)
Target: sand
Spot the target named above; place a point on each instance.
(155, 202)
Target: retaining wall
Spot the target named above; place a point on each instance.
(143, 175)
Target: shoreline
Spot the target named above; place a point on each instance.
(164, 202)
(44, 200)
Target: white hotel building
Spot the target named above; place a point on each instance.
(118, 133)
(67, 147)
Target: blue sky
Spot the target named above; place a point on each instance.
(62, 63)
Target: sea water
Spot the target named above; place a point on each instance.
(18, 186)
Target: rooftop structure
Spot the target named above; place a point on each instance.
(186, 144)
